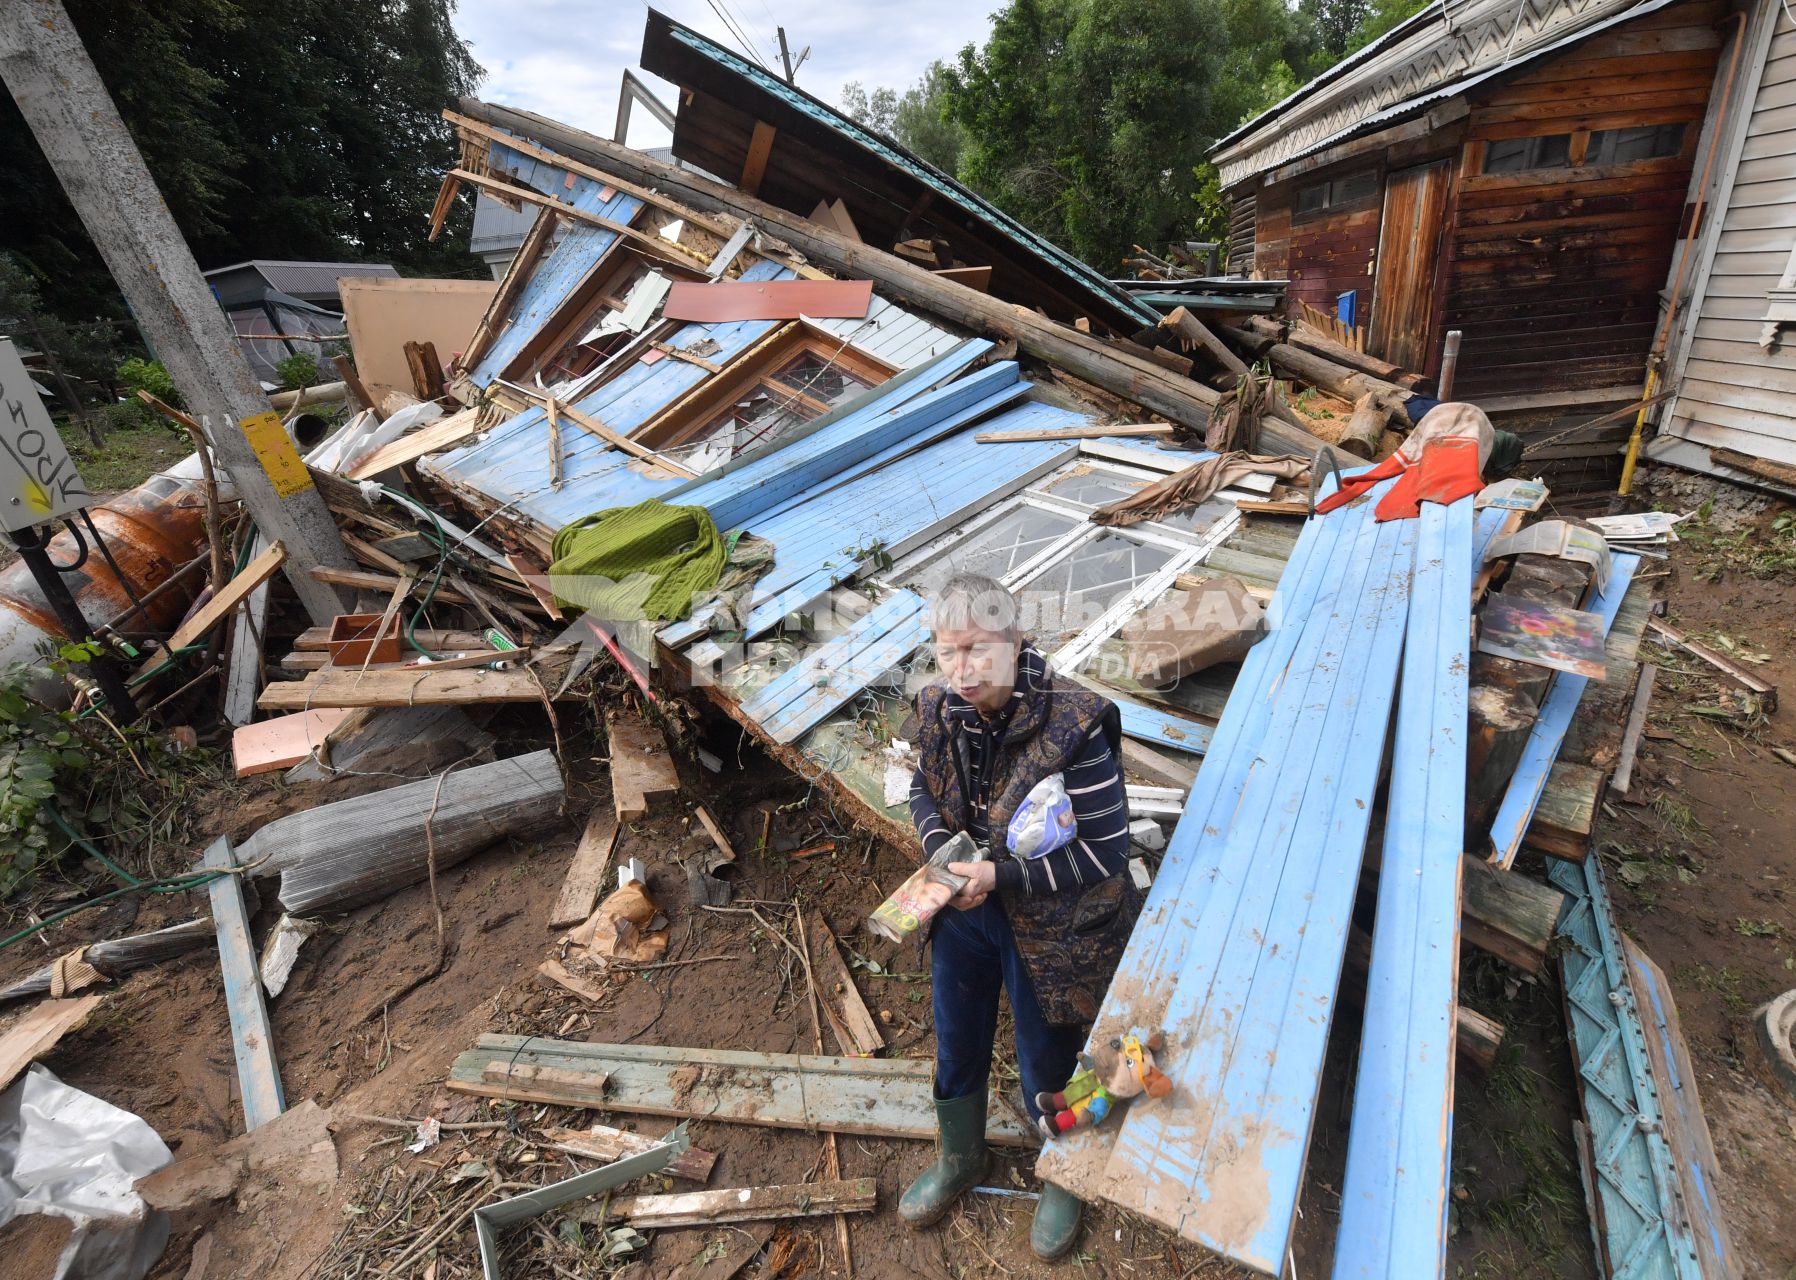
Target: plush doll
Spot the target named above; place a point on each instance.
(1124, 1071)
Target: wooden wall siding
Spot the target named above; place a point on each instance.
(1734, 394)
(1323, 255)
(1554, 275)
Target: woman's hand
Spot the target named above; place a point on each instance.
(982, 878)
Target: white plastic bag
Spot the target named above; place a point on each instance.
(1044, 821)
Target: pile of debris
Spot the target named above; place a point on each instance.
(701, 461)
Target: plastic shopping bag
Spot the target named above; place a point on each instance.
(1044, 821)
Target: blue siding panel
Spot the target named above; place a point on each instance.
(1394, 1193)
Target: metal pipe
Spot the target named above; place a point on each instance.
(1655, 357)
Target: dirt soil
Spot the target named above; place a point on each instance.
(1699, 857)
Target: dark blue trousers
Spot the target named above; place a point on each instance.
(973, 954)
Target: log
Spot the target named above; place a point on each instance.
(1365, 428)
(1328, 349)
(1318, 371)
(1197, 336)
(121, 955)
(355, 851)
(1508, 915)
(1085, 357)
(1499, 717)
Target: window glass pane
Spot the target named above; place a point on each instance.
(757, 418)
(817, 378)
(1003, 545)
(1514, 155)
(1553, 152)
(1310, 199)
(1198, 519)
(1626, 146)
(1355, 186)
(1094, 488)
(1072, 593)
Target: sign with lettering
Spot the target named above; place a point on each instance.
(38, 480)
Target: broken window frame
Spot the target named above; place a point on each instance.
(686, 424)
(1189, 549)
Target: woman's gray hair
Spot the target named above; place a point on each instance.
(972, 601)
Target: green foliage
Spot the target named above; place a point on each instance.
(38, 746)
(915, 121)
(298, 129)
(1380, 16)
(85, 350)
(297, 370)
(139, 374)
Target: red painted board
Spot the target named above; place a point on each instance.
(768, 300)
(285, 740)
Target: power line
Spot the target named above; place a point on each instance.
(735, 31)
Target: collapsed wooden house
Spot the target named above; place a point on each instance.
(1539, 177)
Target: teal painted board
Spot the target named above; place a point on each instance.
(1399, 1150)
(1640, 1226)
(1510, 826)
(252, 1040)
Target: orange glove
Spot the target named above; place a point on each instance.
(1353, 486)
(1447, 472)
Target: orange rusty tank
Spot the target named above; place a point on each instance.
(151, 531)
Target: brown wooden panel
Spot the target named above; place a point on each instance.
(1332, 254)
(1415, 208)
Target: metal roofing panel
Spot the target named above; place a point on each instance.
(715, 300)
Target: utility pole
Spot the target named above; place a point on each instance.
(45, 65)
(786, 58)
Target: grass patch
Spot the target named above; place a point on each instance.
(127, 457)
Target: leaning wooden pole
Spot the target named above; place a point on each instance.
(67, 108)
(1146, 384)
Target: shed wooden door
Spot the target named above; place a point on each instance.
(1409, 241)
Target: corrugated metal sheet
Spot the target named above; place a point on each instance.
(1733, 393)
(891, 335)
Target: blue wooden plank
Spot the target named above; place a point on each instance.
(802, 676)
(1321, 573)
(735, 500)
(881, 651)
(1394, 1192)
(252, 1039)
(1162, 728)
(1548, 734)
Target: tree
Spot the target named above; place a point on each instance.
(297, 129)
(915, 121)
(876, 110)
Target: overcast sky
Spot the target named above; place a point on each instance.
(565, 58)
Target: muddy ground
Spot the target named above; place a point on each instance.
(1699, 853)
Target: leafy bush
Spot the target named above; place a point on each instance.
(148, 375)
(297, 371)
(38, 747)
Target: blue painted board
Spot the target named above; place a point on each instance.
(1510, 826)
(252, 1039)
(860, 661)
(1394, 1192)
(1161, 728)
(798, 681)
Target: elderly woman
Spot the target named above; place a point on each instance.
(1049, 929)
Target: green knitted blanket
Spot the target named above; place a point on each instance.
(646, 561)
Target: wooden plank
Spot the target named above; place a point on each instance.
(1394, 1192)
(1248, 1019)
(642, 771)
(618, 440)
(1565, 817)
(1765, 689)
(383, 583)
(586, 873)
(314, 639)
(745, 1204)
(38, 1031)
(533, 1082)
(604, 1143)
(978, 278)
(754, 164)
(1096, 432)
(1636, 725)
(249, 628)
(1509, 915)
(252, 1038)
(878, 1097)
(1550, 725)
(857, 1033)
(409, 687)
(447, 434)
(283, 741)
(715, 832)
(223, 604)
(659, 247)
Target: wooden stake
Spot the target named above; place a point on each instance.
(555, 464)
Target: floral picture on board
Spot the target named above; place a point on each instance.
(1548, 635)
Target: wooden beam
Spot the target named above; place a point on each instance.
(754, 164)
(523, 266)
(586, 873)
(383, 583)
(642, 771)
(743, 1204)
(346, 370)
(1507, 914)
(602, 1142)
(610, 436)
(410, 687)
(671, 250)
(1198, 336)
(252, 1037)
(1075, 433)
(1767, 691)
(1623, 776)
(447, 434)
(225, 603)
(1140, 381)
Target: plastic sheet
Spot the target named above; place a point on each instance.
(67, 1153)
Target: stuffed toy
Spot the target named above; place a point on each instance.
(1125, 1070)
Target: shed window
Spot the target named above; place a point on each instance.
(1336, 192)
(1626, 146)
(1518, 155)
(806, 386)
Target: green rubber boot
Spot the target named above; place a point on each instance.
(960, 1124)
(1056, 1223)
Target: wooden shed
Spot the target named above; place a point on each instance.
(1517, 171)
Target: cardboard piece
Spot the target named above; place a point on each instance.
(382, 315)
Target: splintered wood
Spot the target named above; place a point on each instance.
(586, 873)
(602, 1142)
(856, 1031)
(642, 771)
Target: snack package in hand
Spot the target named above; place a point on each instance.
(907, 910)
(1044, 821)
